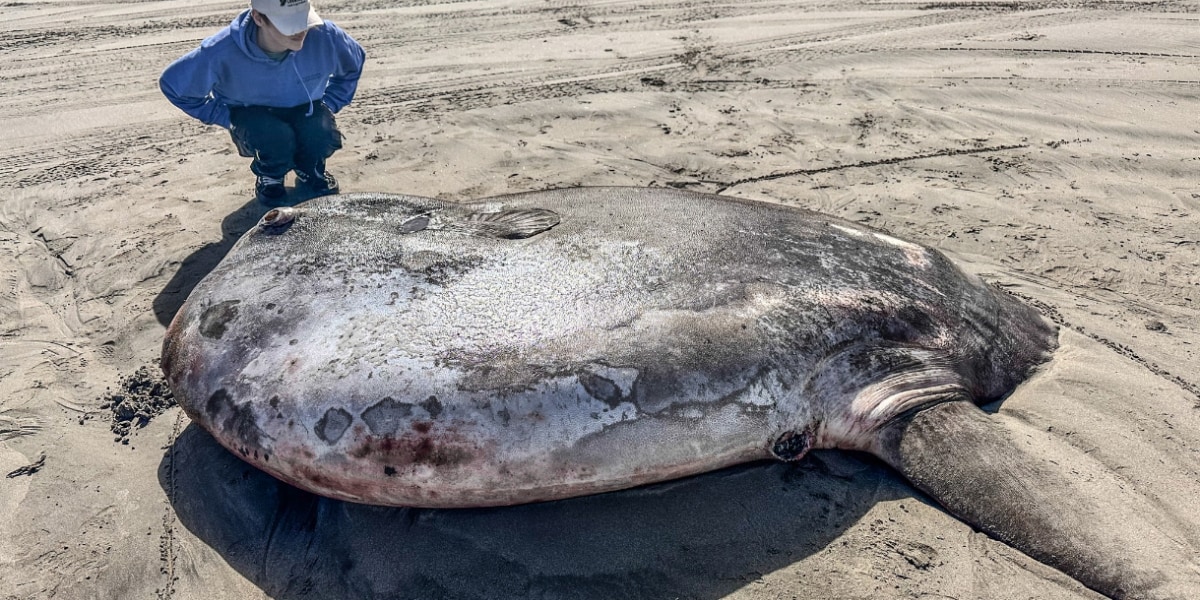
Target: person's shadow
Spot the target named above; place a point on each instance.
(202, 261)
(699, 537)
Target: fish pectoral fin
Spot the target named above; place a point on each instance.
(513, 224)
(1048, 499)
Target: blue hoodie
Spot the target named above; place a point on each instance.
(230, 69)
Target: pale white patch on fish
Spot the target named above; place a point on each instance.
(858, 233)
(916, 255)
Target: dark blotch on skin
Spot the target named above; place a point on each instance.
(384, 417)
(217, 402)
(432, 406)
(426, 452)
(440, 268)
(216, 317)
(909, 323)
(601, 388)
(885, 362)
(792, 446)
(331, 426)
(415, 224)
(389, 471)
(237, 420)
(420, 449)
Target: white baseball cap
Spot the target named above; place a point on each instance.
(288, 16)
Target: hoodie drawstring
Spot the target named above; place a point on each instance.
(307, 92)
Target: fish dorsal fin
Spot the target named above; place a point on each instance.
(511, 224)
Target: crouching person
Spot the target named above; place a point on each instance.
(274, 78)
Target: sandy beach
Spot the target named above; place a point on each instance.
(1049, 147)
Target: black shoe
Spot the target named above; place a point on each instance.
(319, 184)
(269, 190)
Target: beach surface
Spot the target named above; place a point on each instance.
(1051, 147)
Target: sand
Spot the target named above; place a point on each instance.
(1050, 147)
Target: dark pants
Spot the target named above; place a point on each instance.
(282, 139)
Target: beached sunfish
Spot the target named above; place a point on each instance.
(400, 350)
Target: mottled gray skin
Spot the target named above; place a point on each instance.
(400, 350)
(650, 334)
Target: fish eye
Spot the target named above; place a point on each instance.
(278, 217)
